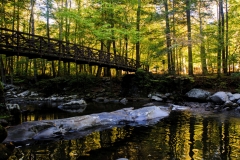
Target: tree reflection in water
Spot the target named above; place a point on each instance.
(179, 136)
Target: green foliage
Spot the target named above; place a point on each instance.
(73, 83)
(1, 87)
(83, 82)
(235, 75)
(146, 82)
(18, 81)
(142, 79)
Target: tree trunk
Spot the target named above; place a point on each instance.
(99, 71)
(35, 69)
(17, 66)
(168, 39)
(138, 35)
(202, 45)
(2, 70)
(60, 68)
(53, 69)
(190, 60)
(26, 66)
(227, 38)
(219, 53)
(69, 70)
(224, 65)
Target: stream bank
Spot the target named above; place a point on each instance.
(139, 87)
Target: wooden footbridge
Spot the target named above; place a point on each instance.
(34, 46)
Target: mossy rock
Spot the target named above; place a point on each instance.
(3, 134)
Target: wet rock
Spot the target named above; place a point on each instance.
(24, 94)
(11, 106)
(238, 108)
(198, 94)
(207, 108)
(100, 99)
(124, 101)
(228, 104)
(234, 97)
(79, 126)
(217, 108)
(238, 102)
(74, 106)
(219, 97)
(226, 109)
(156, 98)
(178, 107)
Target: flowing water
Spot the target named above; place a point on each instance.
(181, 136)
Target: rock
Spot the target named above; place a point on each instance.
(227, 109)
(3, 134)
(238, 109)
(24, 94)
(124, 101)
(156, 98)
(234, 97)
(178, 107)
(207, 108)
(12, 106)
(33, 94)
(74, 106)
(219, 97)
(228, 104)
(9, 87)
(149, 95)
(100, 99)
(168, 94)
(198, 94)
(74, 127)
(3, 123)
(217, 108)
(147, 113)
(148, 104)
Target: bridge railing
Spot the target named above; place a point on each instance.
(33, 45)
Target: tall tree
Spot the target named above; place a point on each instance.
(138, 34)
(168, 40)
(189, 36)
(227, 39)
(202, 5)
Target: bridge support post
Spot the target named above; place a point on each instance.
(99, 71)
(118, 73)
(107, 72)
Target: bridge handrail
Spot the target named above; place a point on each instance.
(128, 62)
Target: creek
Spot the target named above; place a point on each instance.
(181, 135)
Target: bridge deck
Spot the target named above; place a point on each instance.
(34, 46)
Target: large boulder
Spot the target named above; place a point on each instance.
(75, 127)
(219, 97)
(234, 97)
(198, 94)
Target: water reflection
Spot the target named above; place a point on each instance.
(181, 136)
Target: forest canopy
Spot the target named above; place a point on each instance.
(170, 36)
